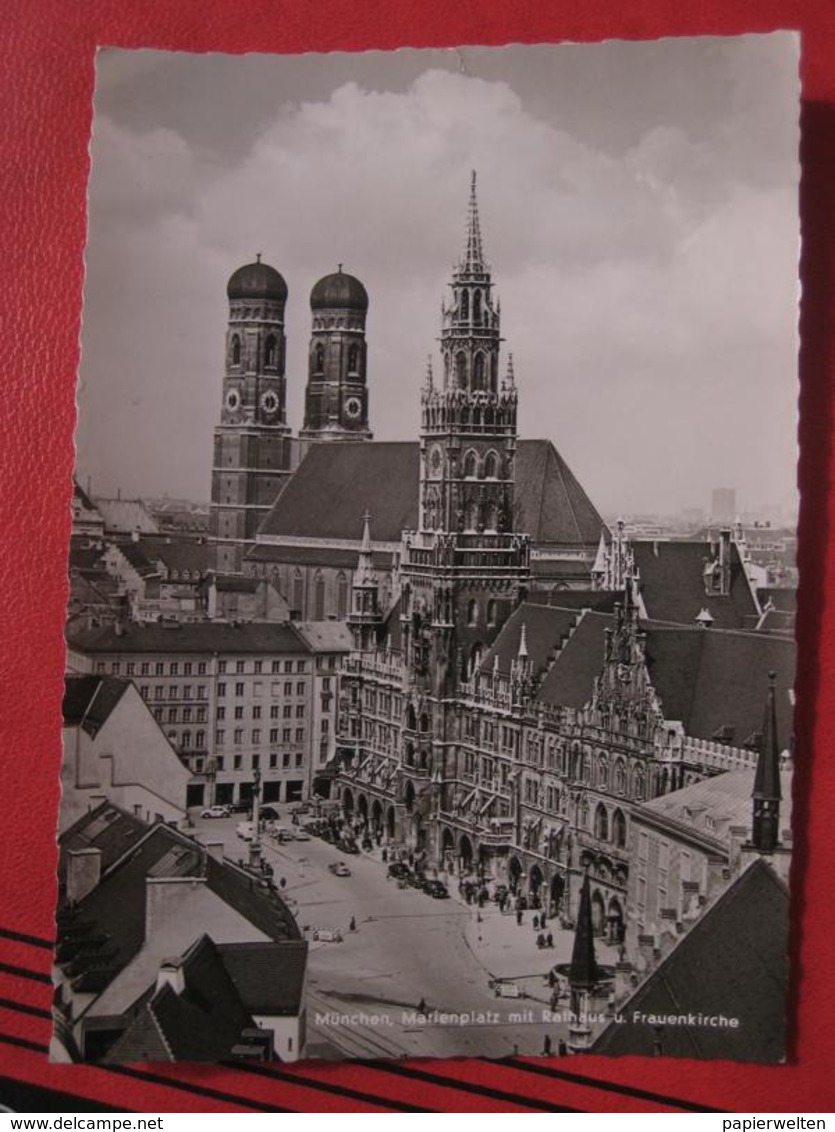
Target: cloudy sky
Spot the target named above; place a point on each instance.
(639, 210)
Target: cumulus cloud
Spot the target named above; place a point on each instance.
(648, 294)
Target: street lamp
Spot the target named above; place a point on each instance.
(255, 844)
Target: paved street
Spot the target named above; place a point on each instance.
(363, 993)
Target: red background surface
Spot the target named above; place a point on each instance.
(46, 85)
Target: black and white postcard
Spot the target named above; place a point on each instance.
(430, 669)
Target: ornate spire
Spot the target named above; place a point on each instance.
(584, 973)
(430, 377)
(473, 261)
(767, 794)
(509, 383)
(365, 563)
(523, 644)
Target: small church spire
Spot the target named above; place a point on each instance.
(767, 794)
(430, 377)
(523, 644)
(473, 261)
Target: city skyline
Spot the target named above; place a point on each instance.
(672, 216)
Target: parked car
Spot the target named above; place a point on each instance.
(215, 812)
(242, 807)
(328, 935)
(339, 869)
(245, 830)
(507, 990)
(436, 889)
(348, 847)
(270, 813)
(398, 869)
(303, 835)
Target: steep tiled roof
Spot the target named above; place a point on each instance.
(325, 497)
(269, 977)
(110, 830)
(89, 700)
(713, 680)
(339, 557)
(732, 962)
(570, 681)
(196, 637)
(177, 552)
(545, 630)
(326, 636)
(672, 584)
(123, 516)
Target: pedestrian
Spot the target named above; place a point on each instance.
(422, 1006)
(546, 1046)
(562, 1048)
(518, 915)
(536, 923)
(552, 978)
(549, 940)
(540, 941)
(385, 855)
(353, 924)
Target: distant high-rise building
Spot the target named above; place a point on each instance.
(723, 504)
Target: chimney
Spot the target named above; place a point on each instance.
(83, 873)
(725, 560)
(171, 974)
(164, 899)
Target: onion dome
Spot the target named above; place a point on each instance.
(257, 281)
(340, 291)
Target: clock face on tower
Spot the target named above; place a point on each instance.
(232, 402)
(353, 408)
(269, 402)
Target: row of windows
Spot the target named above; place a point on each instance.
(174, 692)
(274, 760)
(184, 715)
(258, 688)
(256, 735)
(277, 711)
(199, 668)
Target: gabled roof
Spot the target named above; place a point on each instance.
(711, 807)
(89, 701)
(177, 552)
(124, 516)
(732, 962)
(110, 830)
(269, 977)
(570, 680)
(203, 1023)
(111, 918)
(260, 637)
(335, 483)
(672, 584)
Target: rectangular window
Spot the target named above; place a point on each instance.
(288, 711)
(299, 734)
(175, 668)
(144, 668)
(218, 762)
(220, 738)
(288, 688)
(273, 734)
(187, 691)
(239, 736)
(201, 715)
(299, 711)
(187, 668)
(239, 713)
(221, 713)
(285, 735)
(300, 687)
(288, 666)
(256, 762)
(173, 691)
(186, 715)
(256, 712)
(299, 758)
(221, 666)
(100, 667)
(201, 692)
(159, 668)
(201, 668)
(285, 761)
(325, 726)
(326, 684)
(144, 690)
(256, 735)
(130, 668)
(221, 691)
(159, 692)
(258, 667)
(258, 688)
(172, 715)
(273, 762)
(239, 689)
(274, 711)
(276, 667)
(301, 666)
(240, 666)
(238, 762)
